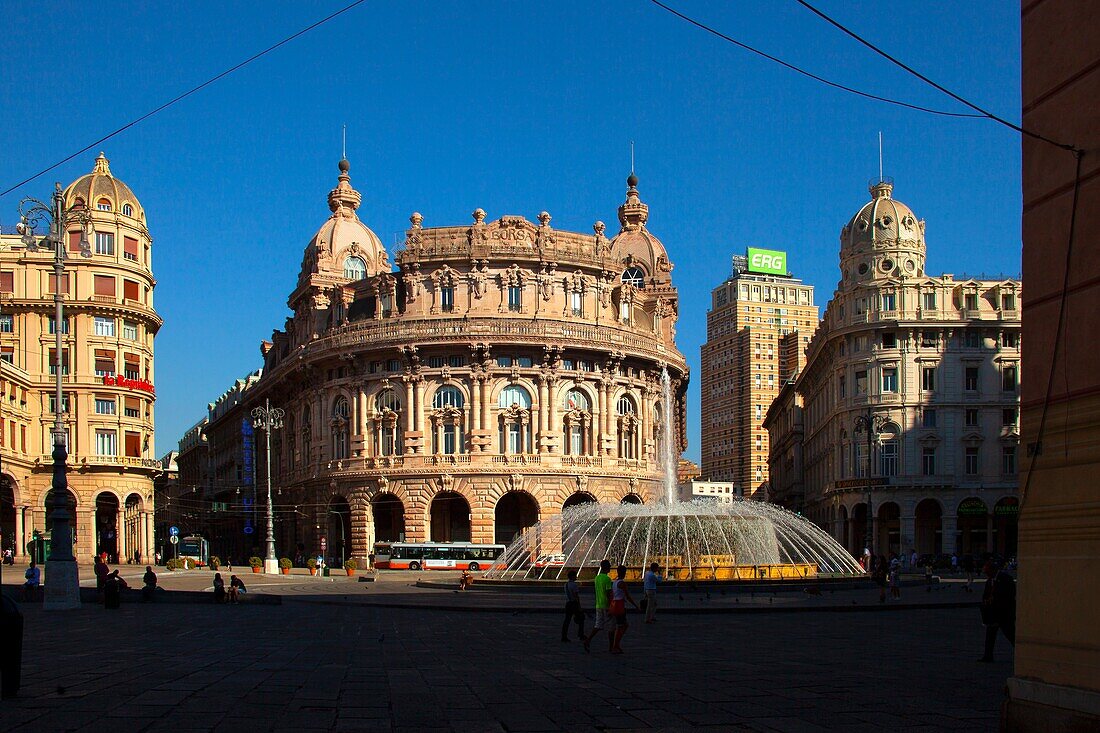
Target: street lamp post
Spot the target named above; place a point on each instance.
(870, 424)
(62, 576)
(268, 418)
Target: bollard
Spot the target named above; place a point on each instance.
(11, 647)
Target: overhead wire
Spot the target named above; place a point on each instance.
(811, 75)
(184, 95)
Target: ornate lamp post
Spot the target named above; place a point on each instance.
(268, 418)
(62, 577)
(871, 425)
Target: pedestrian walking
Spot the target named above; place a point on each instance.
(649, 587)
(601, 586)
(895, 583)
(573, 612)
(998, 608)
(619, 598)
(912, 561)
(954, 562)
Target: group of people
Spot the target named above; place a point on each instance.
(887, 574)
(611, 597)
(233, 594)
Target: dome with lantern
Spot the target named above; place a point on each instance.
(635, 245)
(344, 248)
(101, 191)
(883, 238)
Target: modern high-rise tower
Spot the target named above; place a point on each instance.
(758, 326)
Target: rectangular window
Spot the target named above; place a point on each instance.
(889, 302)
(928, 418)
(928, 339)
(52, 356)
(435, 362)
(889, 340)
(970, 301)
(928, 461)
(859, 459)
(1008, 460)
(842, 387)
(132, 407)
(861, 382)
(130, 248)
(624, 311)
(525, 362)
(888, 458)
(51, 400)
(456, 361)
(928, 378)
(7, 323)
(104, 285)
(129, 331)
(504, 361)
(105, 405)
(1008, 417)
(53, 325)
(106, 443)
(104, 243)
(1008, 379)
(890, 379)
(577, 303)
(973, 340)
(568, 365)
(973, 461)
(132, 371)
(133, 445)
(7, 353)
(7, 282)
(393, 365)
(1010, 339)
(104, 363)
(971, 417)
(52, 288)
(1008, 302)
(104, 326)
(130, 290)
(970, 379)
(447, 299)
(515, 298)
(859, 343)
(930, 301)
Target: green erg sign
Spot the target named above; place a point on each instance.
(767, 260)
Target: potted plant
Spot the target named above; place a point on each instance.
(255, 563)
(173, 563)
(284, 565)
(215, 562)
(349, 566)
(311, 563)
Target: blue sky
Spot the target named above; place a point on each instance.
(516, 108)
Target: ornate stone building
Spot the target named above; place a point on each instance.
(107, 376)
(493, 374)
(935, 363)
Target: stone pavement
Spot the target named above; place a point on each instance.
(350, 667)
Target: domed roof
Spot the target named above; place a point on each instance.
(101, 184)
(634, 243)
(882, 220)
(343, 235)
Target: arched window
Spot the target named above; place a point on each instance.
(448, 397)
(307, 435)
(635, 276)
(103, 204)
(515, 420)
(387, 423)
(340, 414)
(628, 427)
(447, 418)
(127, 210)
(291, 442)
(577, 421)
(355, 268)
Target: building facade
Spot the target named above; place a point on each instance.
(496, 373)
(107, 375)
(934, 364)
(758, 327)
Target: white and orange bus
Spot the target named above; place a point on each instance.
(434, 555)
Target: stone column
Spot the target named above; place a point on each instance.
(20, 532)
(950, 534)
(486, 422)
(148, 544)
(908, 534)
(543, 415)
(122, 536)
(410, 412)
(550, 406)
(84, 547)
(475, 404)
(646, 440)
(361, 540)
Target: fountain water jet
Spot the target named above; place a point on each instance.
(699, 540)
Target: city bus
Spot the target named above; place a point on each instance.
(434, 555)
(194, 547)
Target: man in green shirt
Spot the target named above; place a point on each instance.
(602, 586)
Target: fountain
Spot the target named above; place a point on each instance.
(695, 541)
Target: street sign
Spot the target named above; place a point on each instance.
(324, 543)
(174, 539)
(248, 529)
(174, 531)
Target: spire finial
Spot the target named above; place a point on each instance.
(880, 155)
(344, 200)
(631, 156)
(102, 165)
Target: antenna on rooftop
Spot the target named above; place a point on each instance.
(631, 156)
(344, 144)
(880, 156)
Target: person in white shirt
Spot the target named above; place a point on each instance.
(649, 585)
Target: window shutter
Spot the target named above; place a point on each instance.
(130, 290)
(64, 283)
(132, 403)
(74, 241)
(7, 282)
(104, 285)
(130, 246)
(133, 445)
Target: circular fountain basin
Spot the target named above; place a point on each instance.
(700, 541)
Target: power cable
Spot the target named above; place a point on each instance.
(984, 113)
(186, 94)
(809, 74)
